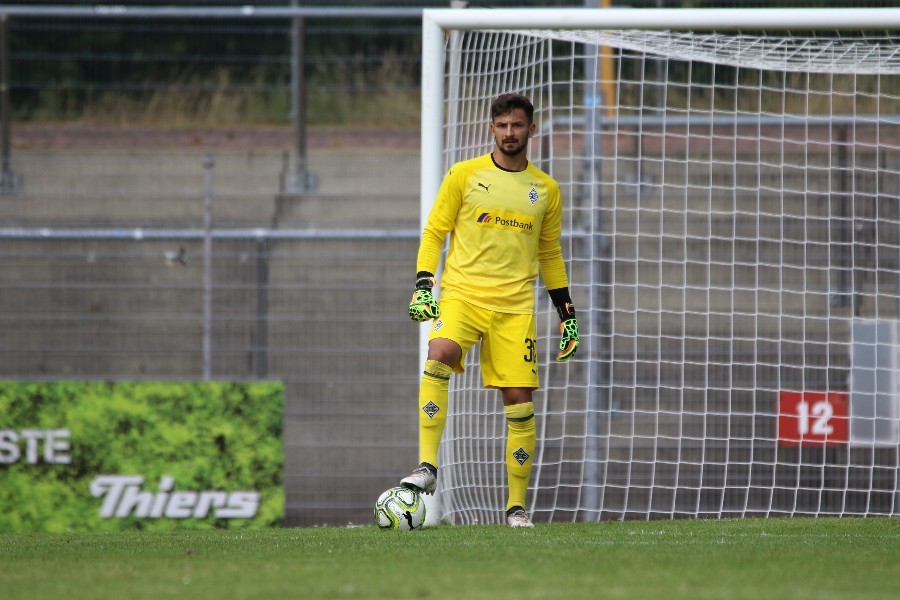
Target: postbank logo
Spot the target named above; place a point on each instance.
(524, 223)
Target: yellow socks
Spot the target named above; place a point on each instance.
(521, 435)
(520, 441)
(433, 393)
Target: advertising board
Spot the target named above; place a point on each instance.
(147, 455)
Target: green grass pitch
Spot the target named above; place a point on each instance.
(748, 558)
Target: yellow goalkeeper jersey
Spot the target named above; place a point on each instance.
(504, 227)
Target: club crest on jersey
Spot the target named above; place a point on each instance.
(533, 195)
(523, 223)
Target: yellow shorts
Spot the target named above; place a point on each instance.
(508, 342)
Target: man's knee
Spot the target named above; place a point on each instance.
(516, 396)
(444, 350)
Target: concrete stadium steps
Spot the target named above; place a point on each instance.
(340, 337)
(670, 437)
(676, 199)
(744, 229)
(134, 189)
(699, 321)
(365, 210)
(728, 350)
(391, 392)
(353, 187)
(358, 188)
(699, 200)
(121, 296)
(128, 262)
(744, 169)
(363, 441)
(746, 238)
(722, 363)
(164, 350)
(334, 363)
(104, 364)
(669, 195)
(342, 262)
(732, 293)
(695, 386)
(698, 252)
(334, 322)
(372, 335)
(111, 333)
(706, 237)
(84, 173)
(343, 459)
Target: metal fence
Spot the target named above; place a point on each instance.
(114, 149)
(150, 231)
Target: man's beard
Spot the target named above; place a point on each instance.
(513, 151)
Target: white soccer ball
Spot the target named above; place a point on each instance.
(400, 509)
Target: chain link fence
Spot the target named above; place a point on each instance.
(300, 136)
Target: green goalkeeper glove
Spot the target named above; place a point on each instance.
(423, 306)
(569, 330)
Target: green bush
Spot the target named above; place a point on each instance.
(207, 436)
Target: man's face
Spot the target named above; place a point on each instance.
(511, 131)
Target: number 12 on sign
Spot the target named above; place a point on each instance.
(812, 418)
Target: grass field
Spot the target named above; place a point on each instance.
(750, 558)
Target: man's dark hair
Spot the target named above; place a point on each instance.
(506, 103)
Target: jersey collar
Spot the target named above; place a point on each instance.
(507, 170)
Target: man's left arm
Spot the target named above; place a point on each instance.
(553, 272)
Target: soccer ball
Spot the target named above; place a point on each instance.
(400, 509)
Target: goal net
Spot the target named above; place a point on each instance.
(732, 235)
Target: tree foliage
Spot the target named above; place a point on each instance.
(207, 436)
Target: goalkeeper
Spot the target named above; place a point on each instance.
(504, 218)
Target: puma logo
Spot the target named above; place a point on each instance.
(487, 187)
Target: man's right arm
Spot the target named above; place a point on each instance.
(441, 219)
(424, 306)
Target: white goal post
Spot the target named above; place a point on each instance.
(731, 190)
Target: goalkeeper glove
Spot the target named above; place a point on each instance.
(423, 306)
(569, 330)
